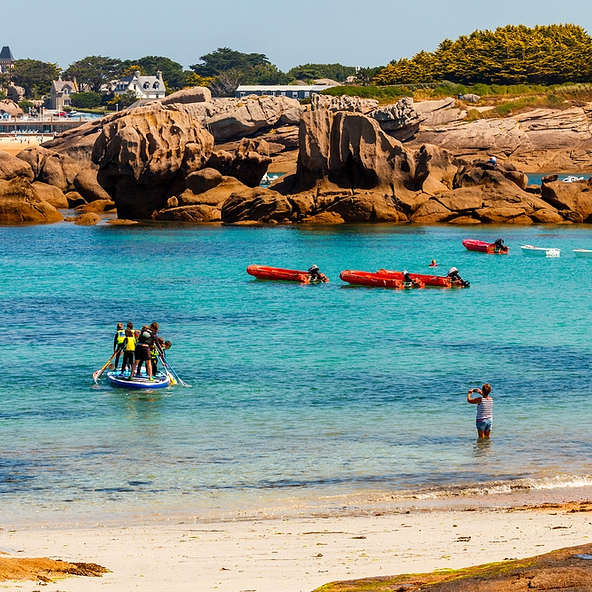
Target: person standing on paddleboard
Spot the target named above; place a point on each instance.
(118, 342)
(484, 409)
(148, 335)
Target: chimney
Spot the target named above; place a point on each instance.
(159, 74)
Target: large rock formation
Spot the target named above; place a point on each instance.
(537, 140)
(142, 154)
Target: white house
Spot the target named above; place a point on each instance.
(144, 87)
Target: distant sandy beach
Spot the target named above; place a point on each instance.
(15, 145)
(298, 554)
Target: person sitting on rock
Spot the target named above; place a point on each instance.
(315, 276)
(455, 278)
(492, 161)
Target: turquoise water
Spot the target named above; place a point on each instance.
(298, 391)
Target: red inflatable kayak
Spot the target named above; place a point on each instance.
(263, 272)
(369, 278)
(429, 280)
(483, 247)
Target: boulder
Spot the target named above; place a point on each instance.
(257, 205)
(52, 195)
(324, 218)
(575, 196)
(89, 219)
(342, 103)
(10, 108)
(546, 216)
(500, 214)
(88, 187)
(75, 199)
(435, 169)
(15, 93)
(97, 206)
(464, 220)
(20, 204)
(248, 163)
(366, 207)
(431, 212)
(143, 155)
(194, 213)
(470, 98)
(12, 167)
(400, 120)
(439, 112)
(187, 96)
(247, 116)
(51, 167)
(202, 180)
(481, 171)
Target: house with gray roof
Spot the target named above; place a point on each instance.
(143, 87)
(60, 93)
(6, 60)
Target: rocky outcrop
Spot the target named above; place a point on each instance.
(12, 167)
(537, 140)
(20, 204)
(10, 108)
(51, 167)
(400, 120)
(343, 103)
(88, 219)
(142, 156)
(247, 163)
(50, 194)
(575, 196)
(259, 204)
(244, 117)
(188, 96)
(87, 185)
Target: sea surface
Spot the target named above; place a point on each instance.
(298, 392)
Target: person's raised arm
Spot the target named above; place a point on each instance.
(475, 400)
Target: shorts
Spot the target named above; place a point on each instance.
(142, 353)
(484, 425)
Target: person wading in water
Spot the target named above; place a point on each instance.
(484, 409)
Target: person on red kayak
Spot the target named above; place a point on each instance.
(315, 276)
(454, 276)
(499, 246)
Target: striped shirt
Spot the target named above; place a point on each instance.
(485, 409)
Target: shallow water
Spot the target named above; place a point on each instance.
(298, 391)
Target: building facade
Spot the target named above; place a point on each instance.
(143, 87)
(60, 93)
(291, 91)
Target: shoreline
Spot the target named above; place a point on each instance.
(299, 553)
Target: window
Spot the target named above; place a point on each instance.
(146, 85)
(306, 94)
(156, 85)
(294, 95)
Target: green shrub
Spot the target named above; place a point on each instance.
(86, 100)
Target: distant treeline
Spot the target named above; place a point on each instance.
(552, 54)
(508, 56)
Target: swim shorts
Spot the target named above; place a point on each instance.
(142, 352)
(485, 425)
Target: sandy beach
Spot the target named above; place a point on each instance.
(14, 145)
(296, 554)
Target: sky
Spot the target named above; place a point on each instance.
(289, 32)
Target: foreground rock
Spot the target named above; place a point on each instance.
(44, 570)
(20, 204)
(564, 570)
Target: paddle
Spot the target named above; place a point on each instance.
(165, 365)
(99, 373)
(171, 369)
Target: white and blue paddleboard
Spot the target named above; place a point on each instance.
(119, 380)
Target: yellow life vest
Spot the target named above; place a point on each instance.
(130, 344)
(120, 337)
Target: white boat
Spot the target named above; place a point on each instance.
(583, 252)
(540, 251)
